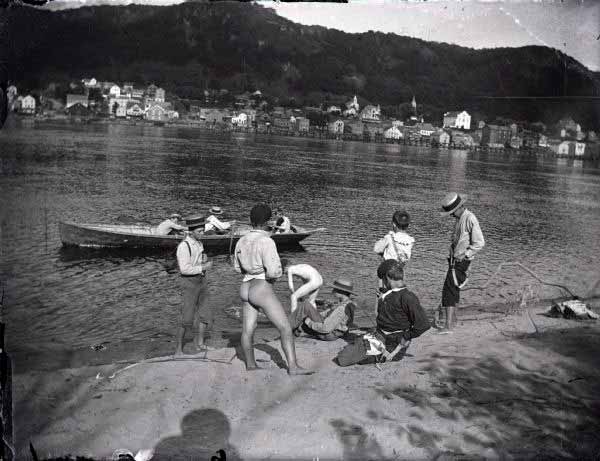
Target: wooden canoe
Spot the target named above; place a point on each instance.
(141, 236)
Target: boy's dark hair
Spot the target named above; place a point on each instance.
(279, 222)
(395, 272)
(260, 214)
(384, 267)
(401, 219)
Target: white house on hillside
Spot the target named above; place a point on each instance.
(370, 113)
(240, 120)
(352, 108)
(28, 105)
(457, 120)
(159, 96)
(115, 91)
(393, 133)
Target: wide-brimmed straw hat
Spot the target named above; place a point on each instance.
(215, 210)
(343, 285)
(451, 203)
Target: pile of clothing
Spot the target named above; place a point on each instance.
(572, 309)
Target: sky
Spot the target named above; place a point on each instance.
(572, 26)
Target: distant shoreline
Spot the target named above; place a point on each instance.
(591, 154)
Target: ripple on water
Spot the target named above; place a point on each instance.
(540, 213)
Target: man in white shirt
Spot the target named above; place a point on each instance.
(192, 262)
(170, 224)
(214, 225)
(467, 240)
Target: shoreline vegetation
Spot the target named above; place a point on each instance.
(508, 384)
(314, 133)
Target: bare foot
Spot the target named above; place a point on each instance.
(299, 371)
(203, 348)
(255, 368)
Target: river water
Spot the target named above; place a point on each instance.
(544, 213)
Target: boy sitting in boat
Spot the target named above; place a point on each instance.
(214, 225)
(282, 223)
(170, 225)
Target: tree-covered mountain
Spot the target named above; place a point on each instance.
(189, 47)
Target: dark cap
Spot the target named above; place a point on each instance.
(401, 218)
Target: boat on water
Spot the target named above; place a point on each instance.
(143, 236)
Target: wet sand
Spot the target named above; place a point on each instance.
(503, 386)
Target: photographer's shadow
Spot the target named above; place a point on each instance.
(204, 435)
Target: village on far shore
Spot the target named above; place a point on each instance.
(92, 100)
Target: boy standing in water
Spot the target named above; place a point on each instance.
(312, 282)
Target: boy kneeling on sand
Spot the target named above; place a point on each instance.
(400, 318)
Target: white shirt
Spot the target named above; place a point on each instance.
(256, 256)
(395, 245)
(285, 226)
(212, 222)
(189, 258)
(467, 238)
(167, 226)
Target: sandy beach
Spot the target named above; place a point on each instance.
(503, 386)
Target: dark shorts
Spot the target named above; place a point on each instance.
(194, 301)
(450, 292)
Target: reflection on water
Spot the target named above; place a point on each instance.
(543, 213)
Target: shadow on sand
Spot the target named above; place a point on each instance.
(517, 407)
(204, 433)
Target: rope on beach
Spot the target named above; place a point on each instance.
(526, 269)
(168, 358)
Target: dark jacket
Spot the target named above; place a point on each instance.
(400, 309)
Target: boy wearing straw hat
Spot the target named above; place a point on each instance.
(214, 225)
(333, 323)
(467, 240)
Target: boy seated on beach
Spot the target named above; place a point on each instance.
(332, 323)
(400, 318)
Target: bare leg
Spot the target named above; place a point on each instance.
(312, 298)
(312, 313)
(450, 316)
(179, 339)
(249, 319)
(261, 295)
(199, 338)
(304, 290)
